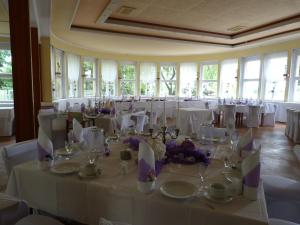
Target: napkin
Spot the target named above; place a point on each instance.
(146, 163)
(130, 108)
(245, 142)
(77, 131)
(44, 146)
(251, 174)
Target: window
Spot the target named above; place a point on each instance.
(275, 69)
(73, 74)
(6, 82)
(128, 75)
(109, 70)
(250, 77)
(188, 79)
(209, 80)
(295, 78)
(228, 84)
(148, 73)
(89, 76)
(57, 82)
(168, 80)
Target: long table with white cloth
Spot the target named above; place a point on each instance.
(115, 196)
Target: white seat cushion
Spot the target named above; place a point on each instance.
(38, 220)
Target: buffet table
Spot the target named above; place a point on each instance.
(191, 118)
(115, 196)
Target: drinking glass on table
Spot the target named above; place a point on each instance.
(69, 148)
(202, 176)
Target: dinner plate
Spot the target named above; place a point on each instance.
(218, 200)
(65, 168)
(178, 189)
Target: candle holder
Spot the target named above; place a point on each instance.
(163, 132)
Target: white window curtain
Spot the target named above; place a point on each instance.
(109, 71)
(275, 67)
(228, 83)
(188, 79)
(73, 74)
(148, 73)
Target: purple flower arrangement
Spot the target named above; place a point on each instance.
(105, 111)
(185, 153)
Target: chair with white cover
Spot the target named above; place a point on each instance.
(282, 197)
(253, 117)
(288, 121)
(229, 112)
(38, 220)
(274, 221)
(296, 124)
(18, 153)
(269, 114)
(139, 120)
(12, 209)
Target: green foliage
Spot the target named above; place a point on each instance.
(88, 68)
(6, 84)
(128, 72)
(169, 73)
(5, 61)
(210, 72)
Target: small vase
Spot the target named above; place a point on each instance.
(146, 187)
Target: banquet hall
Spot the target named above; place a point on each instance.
(142, 112)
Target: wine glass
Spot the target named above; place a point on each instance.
(68, 148)
(202, 176)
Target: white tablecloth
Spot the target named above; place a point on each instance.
(191, 118)
(6, 121)
(115, 196)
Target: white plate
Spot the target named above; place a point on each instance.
(217, 200)
(178, 189)
(65, 168)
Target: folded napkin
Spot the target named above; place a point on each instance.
(44, 146)
(77, 131)
(245, 142)
(146, 163)
(251, 174)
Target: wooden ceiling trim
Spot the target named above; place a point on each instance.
(154, 26)
(76, 27)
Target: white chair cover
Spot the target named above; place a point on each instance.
(140, 122)
(269, 114)
(290, 124)
(76, 107)
(18, 153)
(282, 197)
(253, 118)
(38, 220)
(296, 124)
(11, 209)
(229, 114)
(6, 121)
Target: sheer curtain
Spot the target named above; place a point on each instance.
(275, 67)
(188, 79)
(228, 78)
(148, 73)
(109, 71)
(73, 74)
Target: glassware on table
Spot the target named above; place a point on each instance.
(68, 148)
(202, 176)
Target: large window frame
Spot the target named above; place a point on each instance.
(245, 80)
(203, 81)
(295, 77)
(229, 78)
(128, 86)
(89, 78)
(168, 82)
(281, 76)
(6, 79)
(188, 79)
(148, 77)
(109, 78)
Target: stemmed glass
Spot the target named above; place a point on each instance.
(69, 148)
(202, 176)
